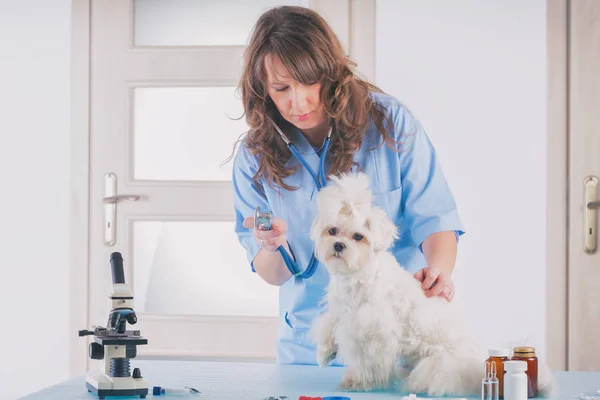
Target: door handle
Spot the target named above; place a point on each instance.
(593, 204)
(114, 199)
(590, 206)
(110, 201)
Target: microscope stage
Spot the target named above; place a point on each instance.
(121, 341)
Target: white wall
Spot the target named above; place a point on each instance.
(34, 170)
(474, 72)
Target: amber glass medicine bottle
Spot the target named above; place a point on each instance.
(528, 354)
(499, 356)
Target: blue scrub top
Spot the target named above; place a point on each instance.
(408, 184)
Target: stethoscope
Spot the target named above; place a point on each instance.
(264, 218)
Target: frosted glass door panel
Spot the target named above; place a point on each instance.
(199, 22)
(185, 133)
(196, 268)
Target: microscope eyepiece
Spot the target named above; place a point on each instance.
(116, 264)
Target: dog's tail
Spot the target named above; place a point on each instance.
(446, 373)
(546, 382)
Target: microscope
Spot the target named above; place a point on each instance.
(115, 344)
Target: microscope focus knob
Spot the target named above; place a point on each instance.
(96, 351)
(137, 374)
(132, 319)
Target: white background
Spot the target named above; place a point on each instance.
(473, 72)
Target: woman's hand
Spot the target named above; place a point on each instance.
(435, 283)
(272, 239)
(440, 252)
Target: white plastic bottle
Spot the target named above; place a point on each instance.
(515, 380)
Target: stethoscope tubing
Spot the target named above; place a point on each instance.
(320, 181)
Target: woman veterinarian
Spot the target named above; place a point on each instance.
(298, 80)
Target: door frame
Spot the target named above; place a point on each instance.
(362, 49)
(557, 189)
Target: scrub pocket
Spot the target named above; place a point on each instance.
(295, 343)
(390, 202)
(300, 333)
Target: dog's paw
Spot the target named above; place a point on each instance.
(325, 355)
(350, 383)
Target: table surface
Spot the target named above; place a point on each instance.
(255, 381)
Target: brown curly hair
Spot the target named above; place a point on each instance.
(310, 51)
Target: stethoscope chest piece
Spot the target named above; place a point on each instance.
(263, 218)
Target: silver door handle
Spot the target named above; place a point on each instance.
(590, 218)
(110, 201)
(593, 204)
(114, 199)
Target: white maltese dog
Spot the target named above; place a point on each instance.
(377, 316)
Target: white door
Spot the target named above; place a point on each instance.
(584, 192)
(162, 119)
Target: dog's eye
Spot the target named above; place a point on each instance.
(332, 231)
(357, 237)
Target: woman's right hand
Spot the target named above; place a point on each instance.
(272, 239)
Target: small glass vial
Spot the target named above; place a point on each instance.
(499, 356)
(527, 354)
(486, 383)
(515, 380)
(494, 383)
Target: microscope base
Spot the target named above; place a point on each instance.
(103, 385)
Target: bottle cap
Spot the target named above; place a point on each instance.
(515, 366)
(524, 351)
(158, 391)
(498, 352)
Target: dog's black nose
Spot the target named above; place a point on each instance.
(338, 246)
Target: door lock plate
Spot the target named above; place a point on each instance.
(590, 211)
(110, 207)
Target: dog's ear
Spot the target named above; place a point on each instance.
(383, 230)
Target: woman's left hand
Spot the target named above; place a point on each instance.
(435, 283)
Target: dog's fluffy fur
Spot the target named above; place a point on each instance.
(377, 316)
